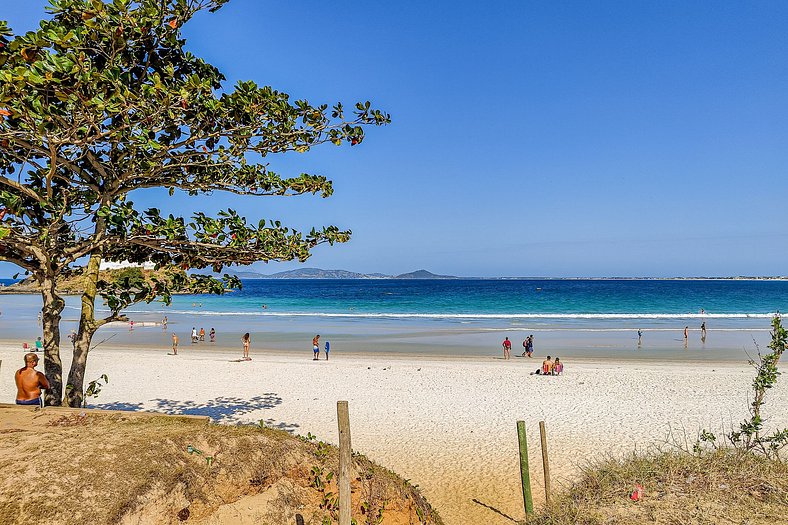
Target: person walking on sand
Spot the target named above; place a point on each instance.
(246, 340)
(327, 348)
(174, 344)
(29, 382)
(316, 348)
(507, 346)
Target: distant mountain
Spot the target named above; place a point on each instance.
(423, 274)
(311, 273)
(318, 273)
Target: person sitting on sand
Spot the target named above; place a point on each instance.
(29, 382)
(558, 367)
(316, 347)
(174, 344)
(212, 335)
(547, 366)
(39, 345)
(246, 340)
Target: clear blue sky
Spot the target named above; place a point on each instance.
(529, 138)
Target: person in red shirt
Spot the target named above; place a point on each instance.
(507, 346)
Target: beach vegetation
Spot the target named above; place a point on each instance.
(103, 101)
(142, 468)
(726, 485)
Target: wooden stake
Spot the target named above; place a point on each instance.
(545, 462)
(525, 476)
(345, 459)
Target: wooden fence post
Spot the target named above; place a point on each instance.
(545, 462)
(345, 459)
(525, 476)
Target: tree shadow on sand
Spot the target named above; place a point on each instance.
(220, 409)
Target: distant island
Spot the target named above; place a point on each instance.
(318, 273)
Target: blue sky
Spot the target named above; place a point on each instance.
(529, 138)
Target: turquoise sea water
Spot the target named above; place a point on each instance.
(414, 315)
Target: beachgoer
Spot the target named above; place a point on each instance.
(194, 334)
(39, 345)
(558, 367)
(39, 317)
(174, 344)
(507, 346)
(73, 338)
(316, 348)
(164, 322)
(703, 330)
(525, 347)
(530, 345)
(640, 336)
(29, 382)
(547, 366)
(246, 340)
(686, 336)
(202, 334)
(131, 326)
(212, 335)
(327, 348)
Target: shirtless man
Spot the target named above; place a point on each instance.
(174, 344)
(547, 366)
(29, 382)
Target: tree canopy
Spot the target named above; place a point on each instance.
(103, 99)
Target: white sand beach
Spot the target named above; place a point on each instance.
(447, 425)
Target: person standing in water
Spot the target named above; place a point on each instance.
(212, 335)
(507, 346)
(640, 336)
(686, 336)
(316, 348)
(174, 344)
(703, 331)
(246, 340)
(327, 348)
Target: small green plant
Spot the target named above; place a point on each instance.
(748, 437)
(317, 478)
(93, 389)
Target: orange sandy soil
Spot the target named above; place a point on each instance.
(87, 466)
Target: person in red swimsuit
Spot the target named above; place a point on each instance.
(507, 346)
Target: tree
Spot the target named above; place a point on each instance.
(103, 100)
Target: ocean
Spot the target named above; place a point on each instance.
(464, 317)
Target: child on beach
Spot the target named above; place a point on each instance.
(328, 346)
(316, 347)
(558, 367)
(246, 340)
(39, 345)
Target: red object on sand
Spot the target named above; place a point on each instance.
(637, 494)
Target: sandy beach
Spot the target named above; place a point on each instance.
(447, 425)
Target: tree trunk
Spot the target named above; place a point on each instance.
(87, 327)
(50, 320)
